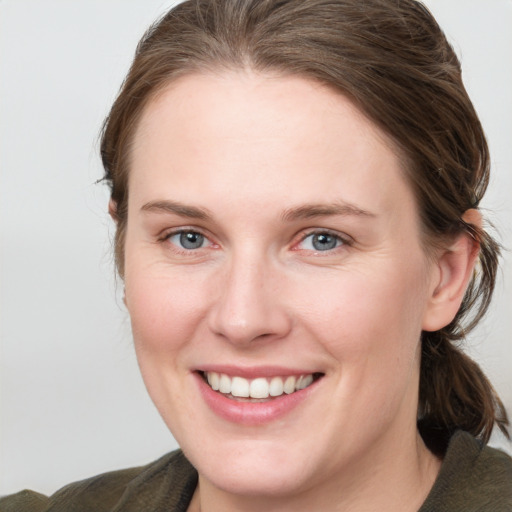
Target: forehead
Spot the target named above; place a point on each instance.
(248, 133)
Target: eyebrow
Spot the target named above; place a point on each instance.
(183, 210)
(306, 211)
(309, 211)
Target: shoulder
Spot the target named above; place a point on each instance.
(473, 477)
(170, 480)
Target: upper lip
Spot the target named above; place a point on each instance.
(253, 372)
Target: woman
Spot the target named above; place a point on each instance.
(296, 186)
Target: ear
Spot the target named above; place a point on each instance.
(112, 210)
(451, 274)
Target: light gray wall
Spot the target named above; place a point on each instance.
(72, 403)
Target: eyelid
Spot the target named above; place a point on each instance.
(344, 238)
(169, 233)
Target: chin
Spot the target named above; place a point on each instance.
(262, 471)
(257, 481)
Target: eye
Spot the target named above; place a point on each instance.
(321, 241)
(188, 240)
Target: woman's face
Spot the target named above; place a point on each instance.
(272, 242)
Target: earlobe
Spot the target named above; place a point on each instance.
(112, 210)
(454, 268)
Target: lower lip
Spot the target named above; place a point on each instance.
(251, 413)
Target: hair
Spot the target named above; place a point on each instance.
(393, 61)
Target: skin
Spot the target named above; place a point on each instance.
(247, 149)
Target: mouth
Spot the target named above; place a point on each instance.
(260, 389)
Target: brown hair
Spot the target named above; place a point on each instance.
(392, 59)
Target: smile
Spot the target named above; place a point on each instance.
(260, 388)
(261, 396)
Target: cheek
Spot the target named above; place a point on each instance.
(371, 323)
(370, 302)
(164, 311)
(165, 314)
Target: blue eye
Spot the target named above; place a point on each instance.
(188, 240)
(321, 242)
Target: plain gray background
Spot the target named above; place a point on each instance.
(72, 403)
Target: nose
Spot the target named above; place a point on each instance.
(249, 305)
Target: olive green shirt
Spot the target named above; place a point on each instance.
(472, 479)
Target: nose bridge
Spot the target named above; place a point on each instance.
(249, 304)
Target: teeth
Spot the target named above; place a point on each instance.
(276, 387)
(239, 387)
(304, 381)
(213, 380)
(224, 384)
(257, 388)
(289, 385)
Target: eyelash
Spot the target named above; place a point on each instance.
(341, 241)
(184, 231)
